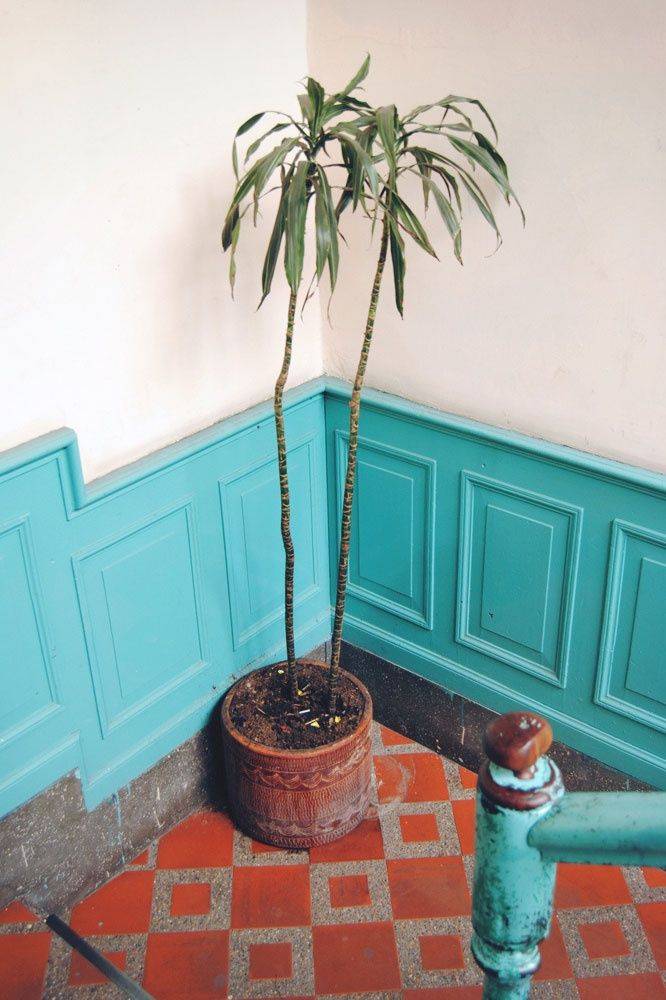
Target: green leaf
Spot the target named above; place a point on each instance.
(267, 164)
(450, 183)
(452, 99)
(397, 245)
(247, 125)
(357, 78)
(450, 218)
(386, 129)
(317, 99)
(477, 154)
(322, 232)
(305, 103)
(343, 201)
(243, 187)
(479, 199)
(412, 224)
(228, 228)
(275, 241)
(488, 146)
(424, 164)
(295, 226)
(232, 257)
(331, 221)
(254, 146)
(354, 148)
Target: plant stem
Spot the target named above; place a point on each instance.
(285, 512)
(348, 497)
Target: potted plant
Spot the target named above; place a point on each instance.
(297, 773)
(297, 733)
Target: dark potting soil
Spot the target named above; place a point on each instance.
(262, 710)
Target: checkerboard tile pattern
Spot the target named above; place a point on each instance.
(384, 913)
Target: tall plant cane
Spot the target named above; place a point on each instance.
(304, 162)
(389, 141)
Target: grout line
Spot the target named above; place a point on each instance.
(96, 958)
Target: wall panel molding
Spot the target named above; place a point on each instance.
(250, 509)
(392, 548)
(116, 611)
(520, 567)
(140, 594)
(630, 678)
(517, 573)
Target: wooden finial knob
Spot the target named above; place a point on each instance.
(517, 740)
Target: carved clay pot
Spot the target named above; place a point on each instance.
(298, 798)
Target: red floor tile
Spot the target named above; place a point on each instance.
(590, 885)
(349, 890)
(464, 813)
(190, 899)
(204, 840)
(122, 906)
(362, 844)
(192, 965)
(353, 958)
(467, 778)
(555, 962)
(392, 739)
(604, 940)
(17, 913)
(23, 960)
(418, 828)
(258, 848)
(82, 973)
(653, 918)
(411, 777)
(141, 859)
(270, 896)
(655, 877)
(271, 961)
(441, 951)
(445, 993)
(428, 887)
(646, 986)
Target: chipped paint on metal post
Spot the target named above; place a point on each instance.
(513, 884)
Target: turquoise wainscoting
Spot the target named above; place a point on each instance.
(512, 571)
(127, 606)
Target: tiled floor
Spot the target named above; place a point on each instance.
(385, 912)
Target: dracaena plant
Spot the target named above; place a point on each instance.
(310, 148)
(441, 145)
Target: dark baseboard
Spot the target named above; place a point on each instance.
(454, 726)
(54, 850)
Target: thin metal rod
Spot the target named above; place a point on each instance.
(613, 828)
(107, 968)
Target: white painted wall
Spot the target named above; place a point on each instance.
(562, 334)
(115, 311)
(116, 122)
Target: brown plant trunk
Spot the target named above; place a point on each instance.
(348, 496)
(285, 511)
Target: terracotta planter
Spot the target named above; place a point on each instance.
(298, 798)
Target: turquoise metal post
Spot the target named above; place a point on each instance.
(603, 828)
(513, 884)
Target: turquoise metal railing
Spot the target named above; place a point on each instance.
(525, 824)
